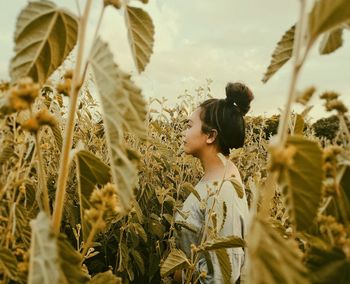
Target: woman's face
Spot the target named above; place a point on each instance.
(194, 139)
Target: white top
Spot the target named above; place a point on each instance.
(235, 224)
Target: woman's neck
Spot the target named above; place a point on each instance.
(213, 166)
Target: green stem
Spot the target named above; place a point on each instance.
(68, 137)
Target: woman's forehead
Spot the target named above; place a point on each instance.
(195, 115)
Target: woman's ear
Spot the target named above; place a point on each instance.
(212, 136)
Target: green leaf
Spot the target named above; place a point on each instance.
(70, 262)
(225, 265)
(45, 35)
(105, 278)
(175, 260)
(222, 242)
(224, 215)
(56, 130)
(302, 182)
(282, 53)
(8, 263)
(327, 264)
(299, 125)
(273, 259)
(189, 187)
(91, 171)
(331, 41)
(345, 182)
(237, 186)
(123, 108)
(6, 153)
(52, 260)
(327, 15)
(186, 225)
(43, 265)
(139, 260)
(140, 231)
(141, 35)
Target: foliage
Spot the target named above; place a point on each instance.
(113, 215)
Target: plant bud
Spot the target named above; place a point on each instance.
(31, 125)
(44, 117)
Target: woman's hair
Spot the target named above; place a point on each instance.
(226, 116)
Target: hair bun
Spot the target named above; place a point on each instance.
(239, 94)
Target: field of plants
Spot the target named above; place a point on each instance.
(89, 191)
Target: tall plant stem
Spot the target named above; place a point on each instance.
(68, 137)
(298, 62)
(282, 133)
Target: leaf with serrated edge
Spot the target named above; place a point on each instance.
(225, 265)
(222, 242)
(8, 263)
(282, 53)
(43, 265)
(175, 260)
(70, 262)
(302, 182)
(141, 35)
(327, 15)
(123, 109)
(45, 35)
(331, 41)
(278, 260)
(90, 171)
(237, 186)
(189, 187)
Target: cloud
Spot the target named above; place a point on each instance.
(222, 40)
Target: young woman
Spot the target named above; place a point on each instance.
(216, 126)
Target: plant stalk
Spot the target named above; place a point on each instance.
(299, 33)
(68, 137)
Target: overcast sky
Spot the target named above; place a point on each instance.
(226, 40)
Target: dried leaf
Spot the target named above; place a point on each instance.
(141, 35)
(8, 263)
(282, 53)
(327, 15)
(45, 35)
(123, 108)
(91, 171)
(175, 260)
(331, 41)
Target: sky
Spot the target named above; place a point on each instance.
(225, 41)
